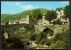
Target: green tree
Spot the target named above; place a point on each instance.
(59, 44)
(50, 15)
(61, 40)
(66, 11)
(40, 38)
(59, 9)
(37, 14)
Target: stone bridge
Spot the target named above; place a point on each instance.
(11, 28)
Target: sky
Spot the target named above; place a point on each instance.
(13, 7)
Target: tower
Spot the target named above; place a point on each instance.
(43, 16)
(58, 14)
(27, 19)
(61, 13)
(44, 21)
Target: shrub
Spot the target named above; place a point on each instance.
(59, 44)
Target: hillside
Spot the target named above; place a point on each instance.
(9, 17)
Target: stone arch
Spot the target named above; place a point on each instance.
(48, 31)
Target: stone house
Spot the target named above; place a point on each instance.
(42, 24)
(60, 15)
(13, 22)
(24, 20)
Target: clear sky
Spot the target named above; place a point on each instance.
(13, 7)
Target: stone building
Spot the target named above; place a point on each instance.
(62, 12)
(27, 20)
(13, 22)
(42, 24)
(44, 21)
(24, 20)
(2, 23)
(60, 15)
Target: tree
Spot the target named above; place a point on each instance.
(59, 44)
(61, 40)
(37, 14)
(59, 9)
(50, 15)
(66, 11)
(33, 37)
(40, 38)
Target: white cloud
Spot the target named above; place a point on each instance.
(65, 2)
(18, 3)
(27, 7)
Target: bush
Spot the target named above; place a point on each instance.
(58, 45)
(58, 36)
(33, 37)
(12, 43)
(61, 40)
(41, 38)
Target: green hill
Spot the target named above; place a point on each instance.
(33, 12)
